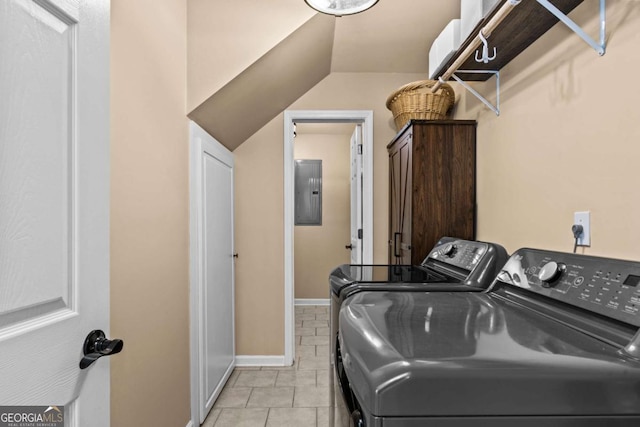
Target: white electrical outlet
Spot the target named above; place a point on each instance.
(583, 219)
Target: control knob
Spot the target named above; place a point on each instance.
(448, 250)
(550, 272)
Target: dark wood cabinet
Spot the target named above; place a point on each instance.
(432, 192)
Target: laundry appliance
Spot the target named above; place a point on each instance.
(453, 265)
(553, 342)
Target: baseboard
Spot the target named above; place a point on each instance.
(259, 361)
(311, 301)
(190, 424)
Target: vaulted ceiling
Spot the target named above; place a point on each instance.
(244, 73)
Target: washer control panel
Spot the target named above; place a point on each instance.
(463, 254)
(605, 286)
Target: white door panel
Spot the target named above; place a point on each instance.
(54, 203)
(218, 301)
(212, 269)
(35, 173)
(356, 195)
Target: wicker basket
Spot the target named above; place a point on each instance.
(416, 101)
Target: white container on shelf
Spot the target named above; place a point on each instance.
(444, 46)
(471, 12)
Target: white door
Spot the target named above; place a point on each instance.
(54, 204)
(356, 195)
(212, 269)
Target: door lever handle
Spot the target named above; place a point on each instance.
(97, 345)
(350, 247)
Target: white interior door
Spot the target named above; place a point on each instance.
(356, 195)
(212, 270)
(54, 204)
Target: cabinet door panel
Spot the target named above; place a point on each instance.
(400, 202)
(432, 188)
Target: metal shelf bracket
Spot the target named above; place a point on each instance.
(598, 47)
(486, 31)
(494, 108)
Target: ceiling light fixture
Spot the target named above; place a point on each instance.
(341, 7)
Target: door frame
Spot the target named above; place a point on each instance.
(364, 117)
(196, 255)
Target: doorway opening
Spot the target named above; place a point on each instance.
(362, 120)
(325, 231)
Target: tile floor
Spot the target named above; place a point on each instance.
(275, 396)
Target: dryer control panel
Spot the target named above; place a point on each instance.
(460, 253)
(470, 262)
(609, 287)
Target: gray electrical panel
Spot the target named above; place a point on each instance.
(308, 192)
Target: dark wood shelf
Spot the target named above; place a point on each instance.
(520, 28)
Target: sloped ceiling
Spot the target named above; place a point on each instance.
(394, 36)
(267, 87)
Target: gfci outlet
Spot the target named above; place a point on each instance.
(583, 219)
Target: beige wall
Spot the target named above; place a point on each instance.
(259, 199)
(259, 242)
(319, 249)
(149, 214)
(568, 139)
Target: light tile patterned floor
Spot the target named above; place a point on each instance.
(291, 396)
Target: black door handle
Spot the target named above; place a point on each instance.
(350, 247)
(97, 345)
